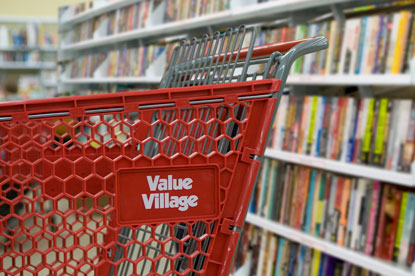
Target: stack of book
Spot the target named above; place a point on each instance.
(378, 132)
(383, 43)
(272, 255)
(375, 218)
(126, 62)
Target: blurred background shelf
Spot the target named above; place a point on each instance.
(399, 178)
(27, 65)
(136, 80)
(376, 265)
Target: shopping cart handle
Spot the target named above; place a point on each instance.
(307, 46)
(266, 50)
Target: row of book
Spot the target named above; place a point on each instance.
(31, 34)
(183, 9)
(122, 20)
(77, 8)
(378, 132)
(126, 62)
(377, 219)
(33, 56)
(95, 89)
(272, 255)
(137, 15)
(383, 43)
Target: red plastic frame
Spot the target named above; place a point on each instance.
(74, 158)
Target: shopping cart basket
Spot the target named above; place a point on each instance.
(148, 182)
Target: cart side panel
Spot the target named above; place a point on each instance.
(142, 183)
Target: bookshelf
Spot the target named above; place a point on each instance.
(370, 80)
(343, 80)
(28, 54)
(379, 266)
(399, 178)
(236, 15)
(29, 48)
(238, 12)
(26, 65)
(140, 80)
(68, 19)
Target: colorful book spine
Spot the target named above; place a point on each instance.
(374, 207)
(401, 221)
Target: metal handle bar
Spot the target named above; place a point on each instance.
(265, 50)
(308, 46)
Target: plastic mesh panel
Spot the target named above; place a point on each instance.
(64, 165)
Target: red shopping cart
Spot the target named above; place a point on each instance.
(142, 183)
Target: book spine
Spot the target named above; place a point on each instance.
(343, 212)
(322, 145)
(380, 236)
(374, 202)
(361, 44)
(393, 224)
(367, 133)
(411, 251)
(349, 119)
(404, 117)
(278, 260)
(264, 187)
(401, 220)
(408, 221)
(380, 132)
(379, 42)
(410, 44)
(320, 205)
(310, 197)
(287, 182)
(316, 262)
(330, 51)
(311, 130)
(331, 216)
(364, 220)
(392, 43)
(400, 42)
(325, 213)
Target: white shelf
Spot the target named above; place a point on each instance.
(49, 84)
(138, 80)
(378, 80)
(223, 18)
(292, 80)
(90, 13)
(382, 267)
(28, 19)
(29, 48)
(27, 65)
(244, 269)
(400, 178)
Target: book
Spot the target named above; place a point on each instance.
(401, 220)
(344, 202)
(408, 222)
(401, 41)
(371, 228)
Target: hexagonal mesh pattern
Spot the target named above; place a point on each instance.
(58, 188)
